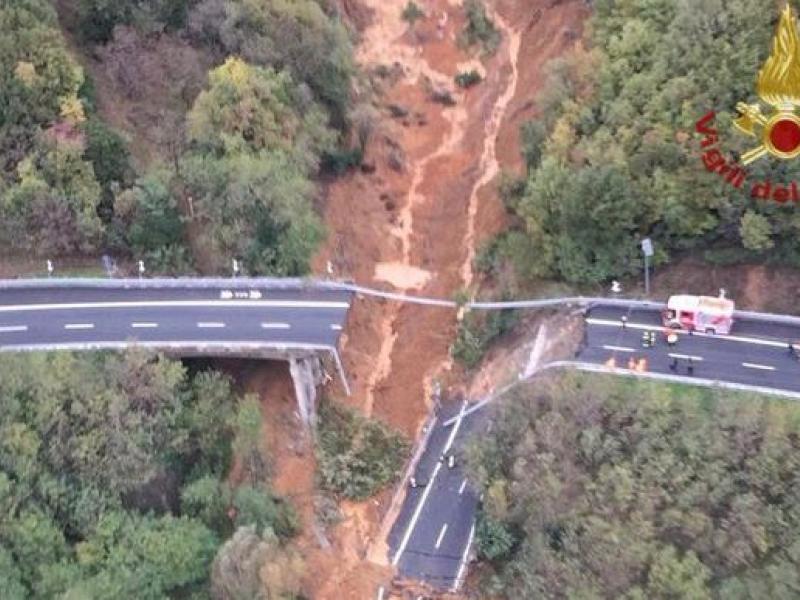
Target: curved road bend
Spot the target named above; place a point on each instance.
(432, 537)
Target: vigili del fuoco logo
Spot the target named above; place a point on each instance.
(776, 130)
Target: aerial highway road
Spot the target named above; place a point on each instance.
(433, 535)
(756, 353)
(70, 314)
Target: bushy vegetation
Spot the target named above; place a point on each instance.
(356, 457)
(255, 142)
(112, 473)
(412, 13)
(467, 79)
(596, 487)
(97, 18)
(477, 330)
(241, 174)
(297, 37)
(614, 157)
(479, 28)
(48, 191)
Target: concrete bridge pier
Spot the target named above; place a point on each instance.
(307, 373)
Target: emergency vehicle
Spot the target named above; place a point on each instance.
(699, 313)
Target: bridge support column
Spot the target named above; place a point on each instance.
(307, 374)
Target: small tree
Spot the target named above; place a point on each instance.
(480, 29)
(412, 13)
(755, 231)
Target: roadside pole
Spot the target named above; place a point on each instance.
(647, 249)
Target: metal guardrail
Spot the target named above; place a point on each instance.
(330, 285)
(173, 282)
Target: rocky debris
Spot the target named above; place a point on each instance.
(442, 95)
(396, 159)
(397, 111)
(388, 202)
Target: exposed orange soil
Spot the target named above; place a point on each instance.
(412, 223)
(753, 287)
(330, 572)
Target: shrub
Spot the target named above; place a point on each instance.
(326, 510)
(208, 499)
(265, 511)
(342, 160)
(493, 539)
(412, 13)
(97, 18)
(467, 79)
(479, 28)
(356, 456)
(477, 330)
(108, 152)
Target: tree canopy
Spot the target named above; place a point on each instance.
(596, 487)
(256, 141)
(292, 35)
(112, 472)
(614, 156)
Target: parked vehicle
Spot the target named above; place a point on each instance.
(700, 313)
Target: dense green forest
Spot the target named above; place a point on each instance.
(614, 156)
(597, 487)
(113, 483)
(240, 174)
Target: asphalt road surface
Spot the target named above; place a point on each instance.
(755, 352)
(51, 317)
(433, 535)
(432, 538)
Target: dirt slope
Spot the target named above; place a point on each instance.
(411, 219)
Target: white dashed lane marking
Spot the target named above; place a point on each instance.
(275, 326)
(758, 367)
(79, 326)
(685, 357)
(210, 325)
(700, 334)
(144, 325)
(619, 348)
(336, 327)
(463, 485)
(13, 328)
(441, 536)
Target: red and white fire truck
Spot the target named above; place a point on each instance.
(699, 313)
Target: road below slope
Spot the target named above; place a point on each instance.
(432, 537)
(410, 219)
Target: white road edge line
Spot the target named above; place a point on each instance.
(463, 485)
(426, 492)
(13, 328)
(619, 348)
(462, 567)
(441, 536)
(210, 325)
(79, 326)
(757, 366)
(144, 325)
(276, 326)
